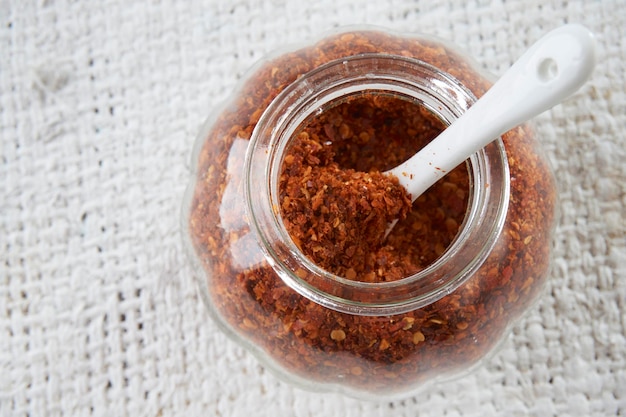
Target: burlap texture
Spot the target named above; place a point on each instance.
(99, 106)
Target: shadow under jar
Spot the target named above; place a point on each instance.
(427, 303)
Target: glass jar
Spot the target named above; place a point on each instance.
(439, 294)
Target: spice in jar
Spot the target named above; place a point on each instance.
(337, 205)
(356, 139)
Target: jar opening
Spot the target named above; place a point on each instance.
(334, 202)
(332, 92)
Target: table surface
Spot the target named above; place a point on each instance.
(100, 103)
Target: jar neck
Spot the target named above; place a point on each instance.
(316, 91)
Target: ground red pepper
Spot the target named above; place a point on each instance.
(376, 354)
(337, 205)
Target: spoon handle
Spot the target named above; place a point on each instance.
(555, 67)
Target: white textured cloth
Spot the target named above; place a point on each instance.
(99, 106)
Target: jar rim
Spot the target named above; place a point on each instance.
(433, 88)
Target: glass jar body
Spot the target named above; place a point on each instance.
(321, 331)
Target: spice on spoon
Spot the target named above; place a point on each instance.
(337, 216)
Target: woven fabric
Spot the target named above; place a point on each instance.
(100, 103)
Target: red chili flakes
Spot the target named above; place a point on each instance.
(337, 205)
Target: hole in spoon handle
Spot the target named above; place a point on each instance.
(548, 70)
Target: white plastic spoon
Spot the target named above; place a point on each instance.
(554, 68)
